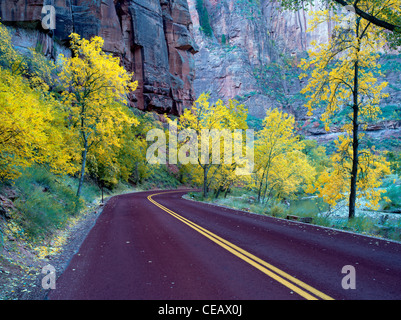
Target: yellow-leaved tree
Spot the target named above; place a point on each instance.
(344, 77)
(29, 128)
(31, 119)
(332, 185)
(383, 14)
(95, 95)
(110, 164)
(208, 136)
(280, 165)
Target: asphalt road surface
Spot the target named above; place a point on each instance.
(157, 246)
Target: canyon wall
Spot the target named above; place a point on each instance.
(174, 61)
(248, 35)
(152, 38)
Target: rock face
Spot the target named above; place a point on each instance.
(248, 35)
(251, 34)
(152, 37)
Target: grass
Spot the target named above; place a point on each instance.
(394, 194)
(308, 206)
(45, 202)
(392, 184)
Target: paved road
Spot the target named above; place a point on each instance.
(156, 245)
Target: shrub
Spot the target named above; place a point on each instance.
(204, 18)
(278, 210)
(394, 195)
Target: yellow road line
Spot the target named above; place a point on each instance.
(282, 277)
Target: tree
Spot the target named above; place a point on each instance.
(316, 155)
(332, 185)
(225, 178)
(394, 158)
(31, 118)
(9, 57)
(211, 124)
(95, 88)
(29, 128)
(110, 164)
(249, 9)
(344, 77)
(280, 165)
(223, 39)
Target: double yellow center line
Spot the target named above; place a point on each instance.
(282, 277)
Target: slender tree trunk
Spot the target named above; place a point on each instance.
(84, 154)
(355, 143)
(218, 191)
(266, 184)
(205, 171)
(227, 191)
(261, 186)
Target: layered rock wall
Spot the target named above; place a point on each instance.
(152, 37)
(251, 34)
(248, 35)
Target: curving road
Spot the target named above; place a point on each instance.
(157, 246)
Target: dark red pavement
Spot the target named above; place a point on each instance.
(136, 250)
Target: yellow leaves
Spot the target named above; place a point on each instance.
(331, 83)
(281, 168)
(319, 17)
(58, 240)
(213, 124)
(35, 127)
(94, 75)
(333, 184)
(9, 57)
(203, 115)
(96, 88)
(343, 79)
(28, 113)
(26, 126)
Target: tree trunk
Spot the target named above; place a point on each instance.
(355, 145)
(260, 187)
(81, 179)
(227, 191)
(218, 191)
(205, 171)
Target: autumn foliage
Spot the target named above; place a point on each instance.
(344, 76)
(31, 116)
(86, 117)
(95, 90)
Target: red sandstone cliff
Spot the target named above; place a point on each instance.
(152, 38)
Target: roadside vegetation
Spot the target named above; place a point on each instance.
(67, 139)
